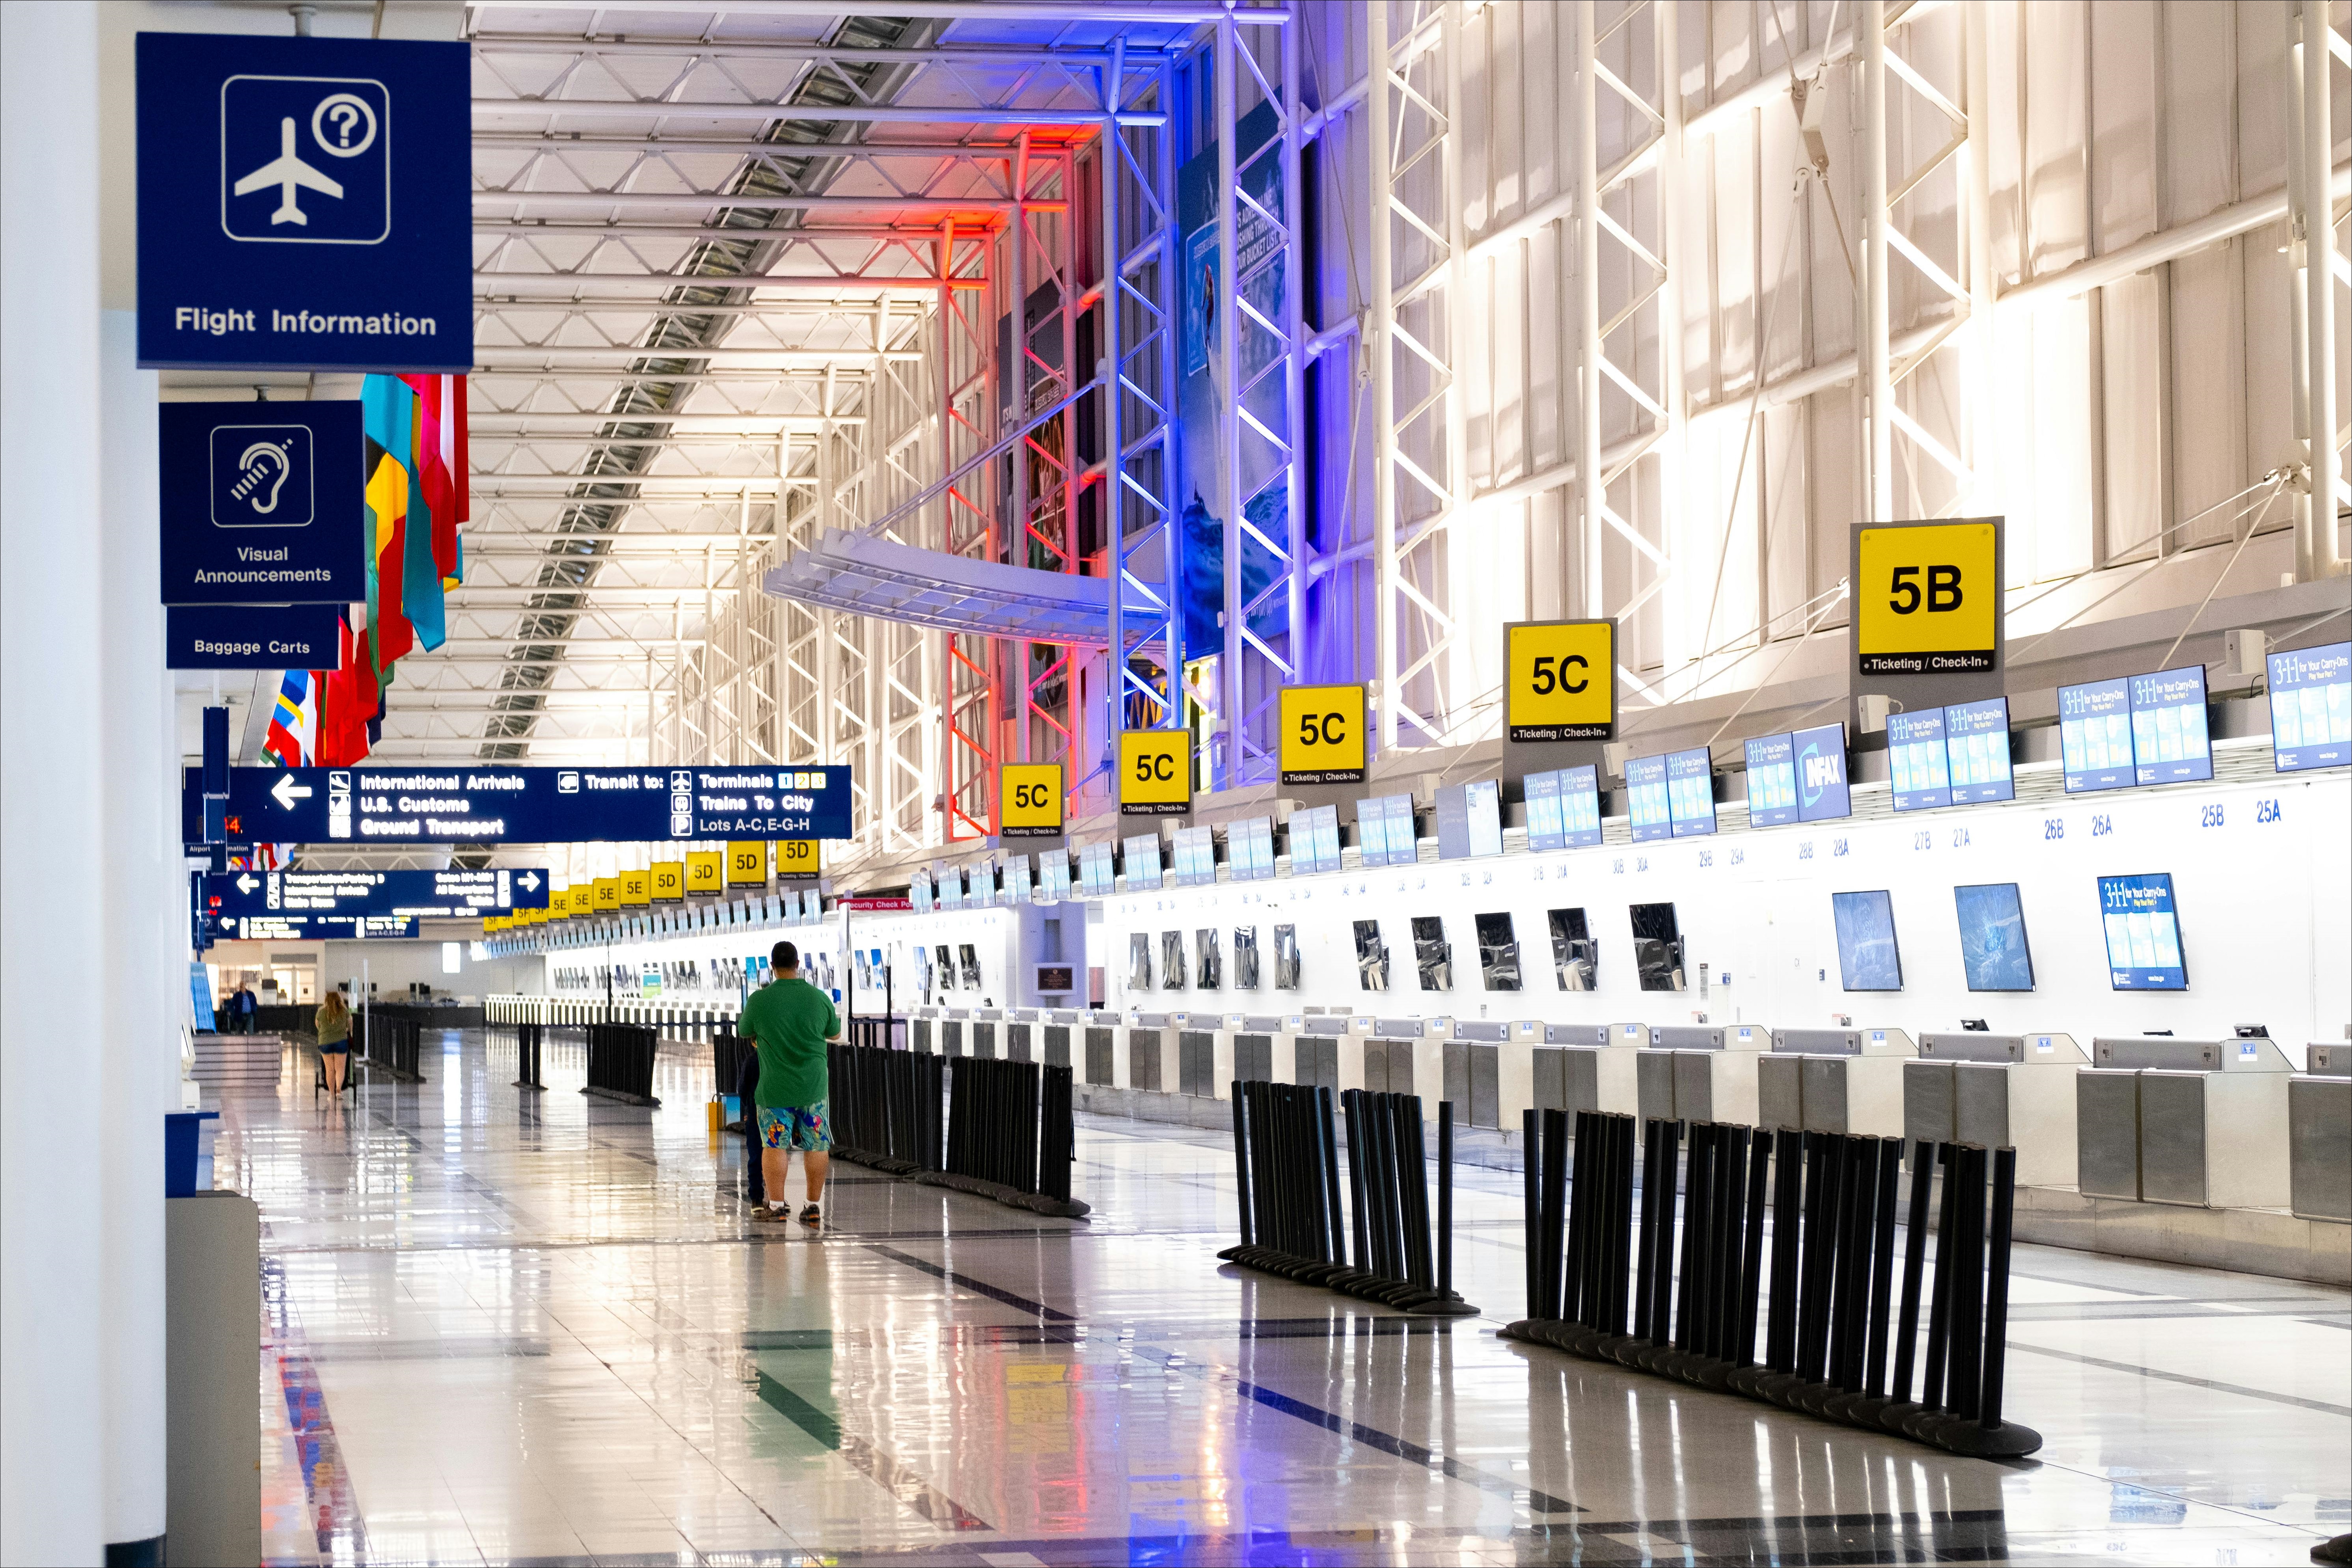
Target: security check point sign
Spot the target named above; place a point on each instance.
(304, 203)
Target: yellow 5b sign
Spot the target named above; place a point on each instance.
(666, 881)
(1155, 772)
(1926, 597)
(1559, 679)
(1323, 736)
(706, 871)
(799, 860)
(747, 862)
(1030, 801)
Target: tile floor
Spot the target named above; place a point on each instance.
(506, 1326)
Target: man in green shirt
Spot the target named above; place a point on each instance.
(791, 1022)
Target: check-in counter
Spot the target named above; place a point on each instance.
(985, 1036)
(955, 1026)
(2319, 1133)
(1104, 1042)
(1997, 1090)
(923, 1030)
(1833, 1081)
(1490, 1071)
(2198, 1123)
(1407, 1056)
(1021, 1034)
(1151, 1060)
(1697, 1074)
(1055, 1038)
(1586, 1067)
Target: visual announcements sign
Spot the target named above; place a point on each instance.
(304, 203)
(455, 804)
(263, 503)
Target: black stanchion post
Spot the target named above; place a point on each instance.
(1531, 1150)
(1939, 1308)
(1578, 1221)
(1751, 1271)
(1645, 1247)
(1444, 1197)
(1335, 1227)
(1967, 1299)
(1555, 1217)
(1242, 1163)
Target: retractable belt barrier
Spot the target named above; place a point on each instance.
(1286, 1157)
(729, 1054)
(1009, 1130)
(621, 1063)
(528, 1036)
(1828, 1301)
(389, 1043)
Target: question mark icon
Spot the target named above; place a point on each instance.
(343, 125)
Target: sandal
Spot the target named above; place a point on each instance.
(811, 1215)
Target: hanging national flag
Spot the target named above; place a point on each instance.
(420, 588)
(294, 726)
(386, 417)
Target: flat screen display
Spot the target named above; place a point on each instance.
(2311, 707)
(1690, 793)
(1172, 961)
(1432, 955)
(1288, 963)
(1249, 848)
(2169, 744)
(1017, 879)
(1246, 957)
(1917, 761)
(1645, 795)
(2095, 735)
(1315, 840)
(1385, 833)
(1498, 952)
(1141, 861)
(1210, 972)
(1976, 740)
(1867, 957)
(1470, 819)
(2143, 931)
(1657, 946)
(1772, 780)
(1371, 956)
(1052, 876)
(1095, 871)
(1798, 777)
(1564, 809)
(1994, 951)
(918, 891)
(950, 887)
(1196, 856)
(1575, 956)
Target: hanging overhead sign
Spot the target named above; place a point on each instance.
(1927, 597)
(253, 637)
(434, 895)
(1559, 679)
(799, 860)
(706, 871)
(263, 503)
(1322, 740)
(1155, 772)
(304, 203)
(452, 803)
(1030, 801)
(313, 927)
(665, 882)
(747, 863)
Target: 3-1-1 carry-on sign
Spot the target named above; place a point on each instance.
(304, 203)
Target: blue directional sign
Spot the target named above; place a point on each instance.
(434, 895)
(253, 637)
(312, 928)
(443, 803)
(263, 503)
(304, 203)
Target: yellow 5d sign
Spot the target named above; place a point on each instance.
(1324, 737)
(799, 860)
(1029, 803)
(665, 882)
(1926, 597)
(637, 889)
(1155, 772)
(747, 862)
(1559, 679)
(706, 871)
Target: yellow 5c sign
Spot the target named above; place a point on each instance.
(799, 858)
(1155, 772)
(666, 881)
(706, 871)
(1323, 738)
(1926, 597)
(1559, 679)
(747, 862)
(1030, 801)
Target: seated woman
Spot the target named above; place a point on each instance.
(333, 1023)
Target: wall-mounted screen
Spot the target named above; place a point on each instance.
(1994, 951)
(1371, 956)
(2169, 743)
(1094, 872)
(2143, 929)
(1195, 856)
(1798, 777)
(946, 968)
(1139, 961)
(1054, 979)
(1249, 848)
(2311, 707)
(1917, 760)
(1470, 819)
(1563, 809)
(1657, 946)
(1868, 959)
(1314, 840)
(1385, 835)
(1287, 965)
(1141, 861)
(2094, 734)
(1498, 952)
(1432, 955)
(1172, 960)
(1646, 799)
(1246, 957)
(1211, 972)
(1575, 955)
(1690, 791)
(971, 965)
(1052, 876)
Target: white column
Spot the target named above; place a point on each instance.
(1227, 495)
(2320, 284)
(53, 1453)
(1380, 324)
(1592, 494)
(1877, 375)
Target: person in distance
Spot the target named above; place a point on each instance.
(791, 1022)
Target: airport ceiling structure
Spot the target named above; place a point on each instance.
(844, 381)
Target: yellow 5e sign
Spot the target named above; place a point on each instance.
(706, 871)
(1323, 738)
(607, 894)
(799, 859)
(1559, 679)
(1029, 802)
(1155, 772)
(665, 882)
(636, 888)
(1926, 597)
(747, 862)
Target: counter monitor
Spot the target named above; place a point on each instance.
(1563, 809)
(1141, 861)
(2095, 735)
(1690, 791)
(2311, 707)
(1645, 795)
(1314, 840)
(2170, 741)
(2143, 932)
(1249, 848)
(1095, 878)
(1470, 819)
(1994, 951)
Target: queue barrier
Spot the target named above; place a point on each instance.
(1285, 1155)
(731, 1055)
(1007, 1132)
(387, 1042)
(1695, 1261)
(621, 1063)
(528, 1038)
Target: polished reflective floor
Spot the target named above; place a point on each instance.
(511, 1326)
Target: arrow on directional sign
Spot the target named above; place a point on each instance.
(246, 883)
(286, 791)
(529, 881)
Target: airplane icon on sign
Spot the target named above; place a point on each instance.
(287, 171)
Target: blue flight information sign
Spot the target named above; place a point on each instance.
(453, 804)
(1564, 809)
(2143, 932)
(2095, 735)
(262, 503)
(438, 894)
(304, 203)
(253, 637)
(2311, 707)
(2169, 743)
(312, 928)
(1798, 777)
